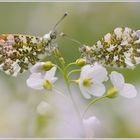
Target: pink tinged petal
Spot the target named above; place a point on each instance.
(129, 91)
(96, 89)
(117, 80)
(90, 125)
(50, 74)
(35, 81)
(37, 67)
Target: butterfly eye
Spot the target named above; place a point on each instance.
(53, 34)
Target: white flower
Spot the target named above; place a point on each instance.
(91, 78)
(90, 125)
(39, 81)
(41, 67)
(124, 89)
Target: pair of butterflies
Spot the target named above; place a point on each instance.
(119, 49)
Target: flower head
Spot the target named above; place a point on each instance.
(41, 67)
(91, 78)
(125, 89)
(41, 81)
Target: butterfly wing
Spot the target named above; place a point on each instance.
(17, 52)
(119, 49)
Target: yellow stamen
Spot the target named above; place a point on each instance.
(47, 85)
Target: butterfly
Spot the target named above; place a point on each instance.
(119, 49)
(18, 52)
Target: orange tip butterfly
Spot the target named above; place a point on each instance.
(18, 52)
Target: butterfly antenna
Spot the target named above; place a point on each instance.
(69, 38)
(65, 14)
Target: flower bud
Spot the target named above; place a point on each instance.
(47, 65)
(112, 92)
(80, 62)
(56, 52)
(61, 59)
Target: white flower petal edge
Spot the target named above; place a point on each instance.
(99, 73)
(125, 89)
(96, 90)
(129, 91)
(37, 68)
(85, 69)
(35, 81)
(117, 80)
(84, 91)
(90, 125)
(50, 74)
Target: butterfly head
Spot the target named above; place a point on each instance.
(50, 36)
(53, 34)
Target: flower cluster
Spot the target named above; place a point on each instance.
(120, 48)
(92, 78)
(117, 49)
(91, 83)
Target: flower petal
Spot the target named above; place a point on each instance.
(37, 67)
(117, 80)
(90, 125)
(84, 90)
(35, 81)
(129, 91)
(85, 70)
(50, 74)
(98, 73)
(96, 89)
(53, 80)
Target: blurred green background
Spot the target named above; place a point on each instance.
(86, 22)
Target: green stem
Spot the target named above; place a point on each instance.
(69, 90)
(73, 71)
(70, 64)
(60, 69)
(93, 102)
(63, 70)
